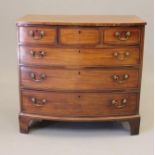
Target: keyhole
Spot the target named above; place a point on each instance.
(79, 51)
(79, 96)
(79, 72)
(79, 32)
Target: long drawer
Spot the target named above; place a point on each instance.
(78, 57)
(78, 79)
(79, 104)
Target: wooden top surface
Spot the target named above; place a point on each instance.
(83, 20)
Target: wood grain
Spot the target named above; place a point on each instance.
(75, 68)
(110, 38)
(76, 57)
(78, 104)
(48, 38)
(81, 20)
(73, 36)
(80, 79)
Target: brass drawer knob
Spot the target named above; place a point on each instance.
(121, 56)
(37, 55)
(120, 79)
(119, 104)
(38, 78)
(37, 34)
(38, 102)
(123, 36)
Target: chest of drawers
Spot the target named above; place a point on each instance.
(80, 68)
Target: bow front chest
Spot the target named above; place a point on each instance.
(80, 68)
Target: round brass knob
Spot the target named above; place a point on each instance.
(44, 100)
(128, 34)
(33, 99)
(126, 76)
(33, 76)
(42, 76)
(115, 54)
(127, 53)
(115, 77)
(117, 34)
(114, 102)
(124, 101)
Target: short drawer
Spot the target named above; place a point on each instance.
(79, 57)
(122, 35)
(79, 36)
(78, 79)
(37, 35)
(79, 104)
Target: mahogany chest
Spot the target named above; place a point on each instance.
(80, 68)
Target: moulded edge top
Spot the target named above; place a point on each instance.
(81, 20)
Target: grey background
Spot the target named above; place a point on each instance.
(67, 139)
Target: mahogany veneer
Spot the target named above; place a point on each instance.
(80, 68)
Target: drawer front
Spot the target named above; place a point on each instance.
(79, 79)
(79, 104)
(37, 35)
(122, 35)
(79, 57)
(75, 36)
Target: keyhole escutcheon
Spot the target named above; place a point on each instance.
(79, 31)
(79, 96)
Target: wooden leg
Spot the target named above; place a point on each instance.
(24, 122)
(134, 125)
